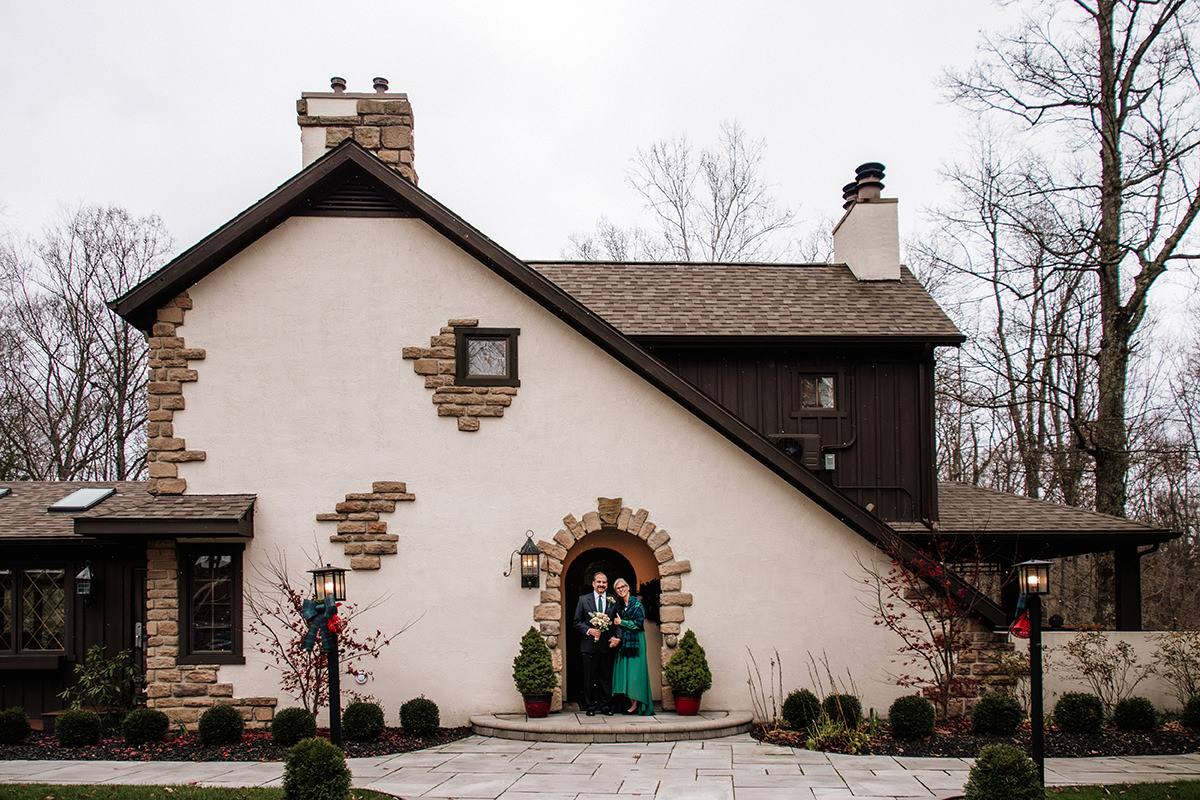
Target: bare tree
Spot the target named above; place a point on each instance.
(710, 206)
(71, 381)
(1113, 85)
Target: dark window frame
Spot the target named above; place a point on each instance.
(186, 555)
(840, 399)
(17, 571)
(462, 338)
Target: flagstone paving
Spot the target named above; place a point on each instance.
(730, 768)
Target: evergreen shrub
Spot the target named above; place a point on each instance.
(1191, 714)
(1079, 712)
(997, 714)
(316, 770)
(362, 722)
(533, 668)
(145, 725)
(844, 708)
(291, 725)
(801, 709)
(1003, 772)
(77, 728)
(14, 725)
(688, 671)
(419, 716)
(1135, 714)
(912, 717)
(221, 725)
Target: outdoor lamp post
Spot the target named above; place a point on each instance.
(329, 584)
(1034, 577)
(531, 563)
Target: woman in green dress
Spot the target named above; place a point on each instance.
(631, 676)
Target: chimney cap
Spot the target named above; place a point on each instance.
(381, 85)
(337, 84)
(871, 169)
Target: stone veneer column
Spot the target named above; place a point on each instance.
(169, 362)
(381, 123)
(183, 691)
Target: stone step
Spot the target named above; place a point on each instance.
(574, 726)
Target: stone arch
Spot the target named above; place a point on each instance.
(610, 522)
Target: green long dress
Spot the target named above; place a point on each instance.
(631, 675)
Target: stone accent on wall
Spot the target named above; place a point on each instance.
(183, 691)
(467, 404)
(170, 368)
(363, 534)
(611, 515)
(982, 664)
(383, 126)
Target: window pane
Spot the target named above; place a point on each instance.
(44, 610)
(212, 603)
(825, 392)
(6, 609)
(487, 357)
(817, 392)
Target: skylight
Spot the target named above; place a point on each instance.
(5, 491)
(82, 499)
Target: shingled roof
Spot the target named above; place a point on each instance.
(129, 510)
(810, 301)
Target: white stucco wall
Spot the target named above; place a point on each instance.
(304, 397)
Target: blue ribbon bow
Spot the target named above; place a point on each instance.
(317, 615)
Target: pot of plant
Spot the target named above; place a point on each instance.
(533, 673)
(688, 675)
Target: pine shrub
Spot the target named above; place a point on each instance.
(843, 708)
(291, 725)
(221, 725)
(912, 717)
(1190, 717)
(316, 770)
(14, 725)
(1135, 714)
(1079, 712)
(419, 716)
(997, 714)
(1003, 772)
(145, 725)
(362, 722)
(687, 670)
(533, 668)
(77, 728)
(801, 709)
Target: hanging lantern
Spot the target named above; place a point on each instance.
(531, 563)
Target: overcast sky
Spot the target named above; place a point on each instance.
(527, 113)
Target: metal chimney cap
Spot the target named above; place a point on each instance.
(381, 85)
(337, 84)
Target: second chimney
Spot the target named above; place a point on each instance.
(867, 239)
(379, 121)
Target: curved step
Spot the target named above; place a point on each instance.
(567, 726)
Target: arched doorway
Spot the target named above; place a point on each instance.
(578, 581)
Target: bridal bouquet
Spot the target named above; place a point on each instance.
(600, 621)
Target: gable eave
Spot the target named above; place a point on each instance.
(139, 307)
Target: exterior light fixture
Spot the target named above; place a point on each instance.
(84, 583)
(1034, 579)
(531, 563)
(329, 582)
(329, 585)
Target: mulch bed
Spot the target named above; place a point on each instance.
(256, 745)
(956, 739)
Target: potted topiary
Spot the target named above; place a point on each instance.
(688, 675)
(533, 672)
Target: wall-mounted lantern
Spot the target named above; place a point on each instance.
(531, 563)
(84, 583)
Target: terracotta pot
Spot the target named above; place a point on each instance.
(687, 704)
(537, 705)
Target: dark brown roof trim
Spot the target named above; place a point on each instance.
(701, 339)
(141, 303)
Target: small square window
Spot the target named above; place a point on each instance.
(816, 392)
(486, 357)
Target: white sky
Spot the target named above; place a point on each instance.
(527, 113)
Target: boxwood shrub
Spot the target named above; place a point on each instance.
(316, 770)
(912, 717)
(145, 725)
(1079, 712)
(844, 708)
(77, 728)
(419, 716)
(221, 725)
(801, 709)
(362, 722)
(997, 714)
(14, 725)
(1003, 772)
(291, 725)
(1135, 714)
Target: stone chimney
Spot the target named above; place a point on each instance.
(380, 121)
(868, 237)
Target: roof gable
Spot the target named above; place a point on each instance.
(383, 189)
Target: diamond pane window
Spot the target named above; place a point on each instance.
(6, 609)
(211, 582)
(817, 392)
(44, 610)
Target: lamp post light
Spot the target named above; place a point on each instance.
(1034, 577)
(329, 583)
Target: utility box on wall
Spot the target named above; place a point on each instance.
(804, 447)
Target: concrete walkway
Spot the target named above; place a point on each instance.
(732, 768)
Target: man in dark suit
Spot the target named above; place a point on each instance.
(596, 647)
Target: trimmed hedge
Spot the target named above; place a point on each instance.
(997, 714)
(912, 717)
